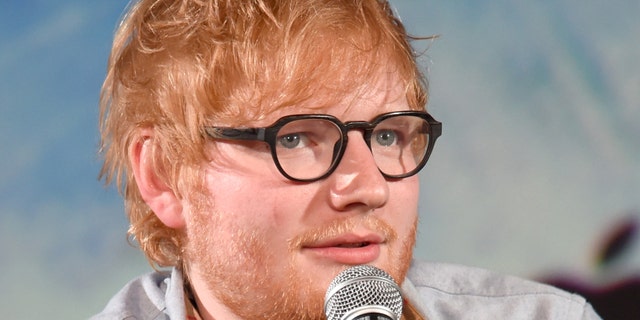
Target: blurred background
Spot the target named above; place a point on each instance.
(538, 165)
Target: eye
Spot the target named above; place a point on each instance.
(292, 140)
(386, 137)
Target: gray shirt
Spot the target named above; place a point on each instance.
(439, 291)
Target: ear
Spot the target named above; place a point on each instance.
(155, 193)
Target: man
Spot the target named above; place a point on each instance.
(265, 146)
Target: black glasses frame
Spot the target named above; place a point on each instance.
(269, 135)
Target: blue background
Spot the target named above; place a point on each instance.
(540, 102)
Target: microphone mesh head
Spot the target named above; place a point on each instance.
(362, 286)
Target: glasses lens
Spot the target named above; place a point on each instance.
(399, 144)
(305, 148)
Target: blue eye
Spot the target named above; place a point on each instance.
(289, 141)
(386, 137)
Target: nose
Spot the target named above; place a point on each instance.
(357, 181)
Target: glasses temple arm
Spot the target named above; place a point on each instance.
(236, 134)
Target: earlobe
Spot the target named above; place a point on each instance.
(155, 193)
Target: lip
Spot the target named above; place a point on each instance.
(349, 249)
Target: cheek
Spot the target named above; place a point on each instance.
(404, 196)
(402, 211)
(259, 203)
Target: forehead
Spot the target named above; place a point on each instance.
(383, 93)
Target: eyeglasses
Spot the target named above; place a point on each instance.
(309, 147)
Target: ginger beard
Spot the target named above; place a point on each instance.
(244, 274)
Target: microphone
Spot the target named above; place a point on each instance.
(363, 292)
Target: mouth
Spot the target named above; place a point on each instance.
(353, 245)
(346, 249)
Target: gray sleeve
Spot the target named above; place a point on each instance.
(444, 291)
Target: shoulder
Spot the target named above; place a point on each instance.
(447, 291)
(156, 295)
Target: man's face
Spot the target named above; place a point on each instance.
(262, 246)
